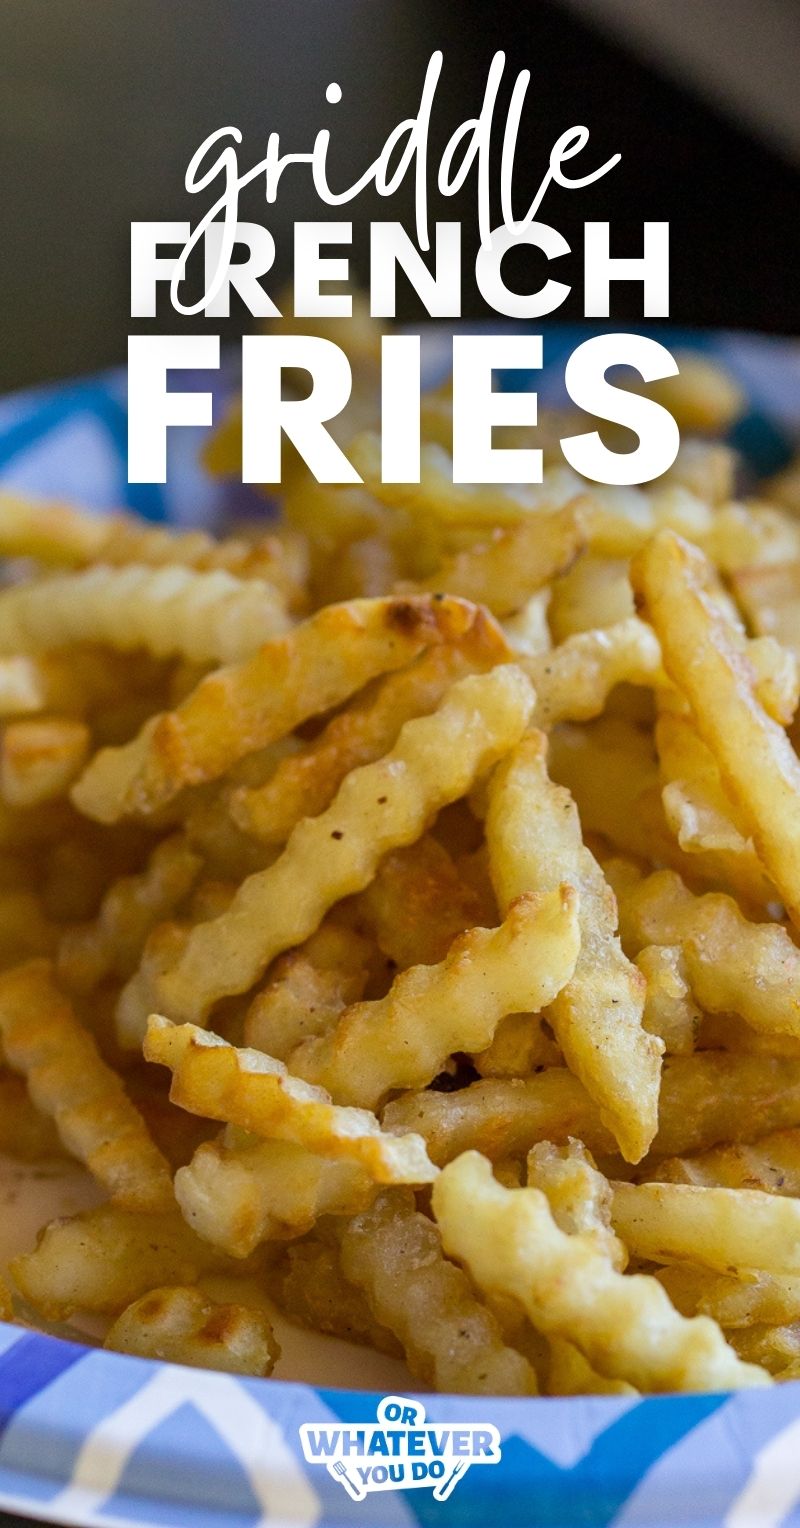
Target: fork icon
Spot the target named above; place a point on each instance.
(353, 1487)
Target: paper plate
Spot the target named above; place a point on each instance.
(92, 1437)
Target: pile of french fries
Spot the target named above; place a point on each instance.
(399, 912)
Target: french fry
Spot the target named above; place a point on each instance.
(771, 1298)
(721, 1228)
(39, 758)
(418, 903)
(732, 965)
(504, 571)
(522, 1044)
(23, 690)
(305, 783)
(68, 1079)
(62, 535)
(238, 1193)
(101, 1260)
(535, 843)
(307, 990)
(594, 593)
(394, 1255)
(206, 617)
(382, 805)
(574, 681)
(570, 1373)
(180, 1325)
(113, 942)
(257, 1093)
(527, 630)
(705, 1099)
(669, 1008)
(769, 597)
(756, 761)
(776, 1347)
(771, 1163)
(404, 1039)
(248, 705)
(308, 1285)
(580, 1198)
(624, 1324)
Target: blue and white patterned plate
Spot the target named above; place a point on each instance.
(89, 1437)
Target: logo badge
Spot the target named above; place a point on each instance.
(399, 1451)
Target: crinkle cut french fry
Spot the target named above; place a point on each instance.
(513, 564)
(535, 842)
(770, 599)
(308, 1285)
(669, 1008)
(721, 1228)
(378, 807)
(62, 535)
(308, 988)
(570, 1373)
(580, 1198)
(248, 705)
(257, 1093)
(180, 1325)
(68, 1079)
(405, 1038)
(757, 763)
(112, 943)
(40, 757)
(394, 1255)
(237, 1193)
(305, 783)
(574, 681)
(624, 1324)
(772, 1298)
(733, 965)
(771, 1163)
(595, 592)
(418, 903)
(522, 1044)
(101, 1260)
(169, 611)
(707, 1098)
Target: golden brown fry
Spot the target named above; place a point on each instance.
(535, 843)
(394, 1255)
(574, 681)
(207, 617)
(580, 1198)
(405, 1038)
(770, 598)
(253, 703)
(305, 783)
(68, 1079)
(436, 760)
(308, 1284)
(180, 1325)
(757, 763)
(113, 943)
(40, 758)
(257, 1093)
(238, 1191)
(705, 1099)
(734, 1302)
(503, 572)
(568, 1287)
(722, 1228)
(418, 903)
(104, 1258)
(669, 1008)
(771, 1163)
(307, 990)
(732, 965)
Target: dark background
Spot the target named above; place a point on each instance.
(102, 105)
